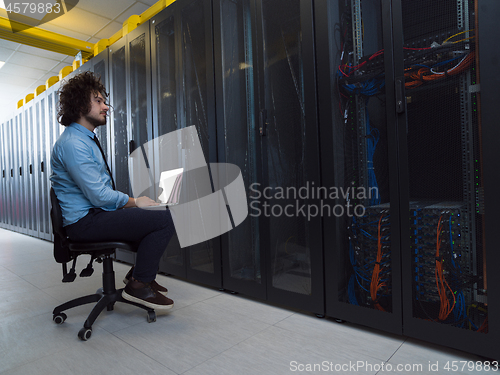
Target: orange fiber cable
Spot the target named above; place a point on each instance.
(376, 284)
(422, 75)
(445, 308)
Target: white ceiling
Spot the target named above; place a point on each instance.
(28, 67)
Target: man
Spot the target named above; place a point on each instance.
(92, 210)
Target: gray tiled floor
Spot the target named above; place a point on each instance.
(207, 332)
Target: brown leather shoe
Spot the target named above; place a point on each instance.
(154, 284)
(144, 294)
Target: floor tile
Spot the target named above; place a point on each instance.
(191, 335)
(377, 345)
(415, 356)
(279, 351)
(102, 354)
(251, 308)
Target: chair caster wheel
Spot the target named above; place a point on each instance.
(321, 316)
(151, 316)
(85, 333)
(59, 318)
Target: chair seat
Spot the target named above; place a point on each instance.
(98, 246)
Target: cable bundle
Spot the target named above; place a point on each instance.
(376, 284)
(370, 264)
(445, 308)
(427, 74)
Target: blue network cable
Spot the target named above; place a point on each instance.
(372, 138)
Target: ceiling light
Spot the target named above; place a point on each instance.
(1, 64)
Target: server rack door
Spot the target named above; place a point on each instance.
(238, 140)
(287, 201)
(6, 174)
(21, 171)
(15, 180)
(8, 184)
(445, 283)
(51, 139)
(119, 79)
(101, 69)
(2, 188)
(55, 127)
(3, 184)
(31, 150)
(43, 194)
(118, 99)
(183, 95)
(10, 187)
(488, 13)
(139, 115)
(165, 56)
(359, 163)
(198, 108)
(37, 189)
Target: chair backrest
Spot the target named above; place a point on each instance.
(61, 250)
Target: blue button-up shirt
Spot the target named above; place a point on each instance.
(79, 175)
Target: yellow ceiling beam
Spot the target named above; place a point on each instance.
(48, 40)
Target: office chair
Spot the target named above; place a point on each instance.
(66, 250)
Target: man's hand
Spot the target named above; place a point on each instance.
(144, 202)
(140, 202)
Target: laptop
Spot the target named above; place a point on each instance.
(170, 186)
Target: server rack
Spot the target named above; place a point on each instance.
(31, 150)
(181, 47)
(359, 160)
(118, 126)
(57, 128)
(291, 229)
(100, 65)
(238, 138)
(2, 178)
(36, 167)
(140, 127)
(15, 194)
(166, 108)
(21, 171)
(43, 176)
(52, 135)
(425, 239)
(5, 175)
(11, 188)
(446, 297)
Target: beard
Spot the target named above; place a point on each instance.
(95, 121)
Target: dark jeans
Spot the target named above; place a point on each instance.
(151, 230)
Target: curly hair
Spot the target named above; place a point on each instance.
(74, 97)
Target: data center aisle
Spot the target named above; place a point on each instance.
(207, 332)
